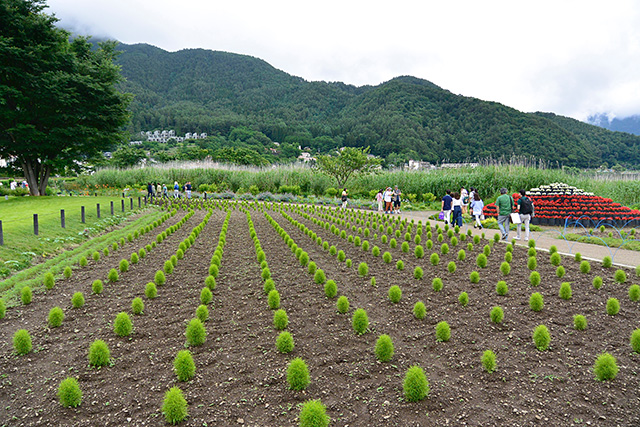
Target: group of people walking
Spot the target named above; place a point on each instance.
(157, 190)
(389, 200)
(455, 204)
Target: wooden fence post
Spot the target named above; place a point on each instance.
(131, 203)
(62, 219)
(112, 207)
(98, 209)
(82, 216)
(1, 235)
(122, 203)
(35, 224)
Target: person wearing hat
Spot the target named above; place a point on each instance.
(504, 203)
(388, 197)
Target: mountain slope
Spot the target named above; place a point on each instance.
(198, 90)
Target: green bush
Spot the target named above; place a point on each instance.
(444, 249)
(386, 257)
(532, 252)
(373, 281)
(150, 290)
(497, 314)
(273, 299)
(105, 252)
(384, 348)
(304, 258)
(565, 291)
(174, 406)
(77, 300)
(112, 276)
(579, 322)
(505, 268)
(330, 289)
(607, 262)
(613, 306)
(634, 293)
(284, 342)
(577, 257)
(280, 319)
(360, 321)
(404, 247)
(122, 325)
(313, 414)
(419, 310)
(22, 342)
(462, 255)
(502, 288)
(532, 263)
(3, 309)
(99, 354)
(443, 331)
(463, 299)
(137, 306)
(49, 281)
(56, 316)
(536, 302)
(184, 366)
(415, 384)
(363, 269)
(196, 333)
(400, 265)
(534, 278)
(319, 277)
(481, 261)
(418, 251)
(635, 340)
(585, 267)
(486, 250)
(508, 256)
(451, 267)
(160, 279)
(541, 337)
(311, 268)
(375, 251)
(620, 276)
(488, 361)
(597, 282)
(605, 367)
(210, 282)
(67, 272)
(26, 295)
(437, 284)
(418, 273)
(395, 294)
(97, 286)
(124, 265)
(69, 393)
(342, 304)
(560, 272)
(96, 256)
(206, 296)
(134, 258)
(268, 286)
(474, 277)
(555, 259)
(202, 313)
(298, 374)
(434, 259)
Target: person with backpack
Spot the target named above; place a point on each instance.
(526, 211)
(344, 198)
(446, 206)
(504, 203)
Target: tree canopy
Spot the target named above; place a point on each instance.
(347, 163)
(58, 98)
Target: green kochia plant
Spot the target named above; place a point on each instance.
(97, 286)
(284, 342)
(395, 294)
(280, 319)
(488, 361)
(298, 374)
(313, 414)
(419, 310)
(122, 325)
(69, 393)
(22, 342)
(184, 366)
(26, 295)
(384, 348)
(342, 304)
(443, 331)
(174, 406)
(541, 337)
(415, 384)
(196, 333)
(99, 354)
(56, 316)
(360, 321)
(605, 367)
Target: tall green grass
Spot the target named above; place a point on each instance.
(488, 179)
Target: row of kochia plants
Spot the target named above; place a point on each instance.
(605, 366)
(99, 354)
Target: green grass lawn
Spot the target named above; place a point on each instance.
(21, 245)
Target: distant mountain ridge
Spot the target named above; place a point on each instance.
(197, 90)
(629, 124)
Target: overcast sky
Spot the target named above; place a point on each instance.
(570, 57)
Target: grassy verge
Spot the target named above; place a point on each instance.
(633, 245)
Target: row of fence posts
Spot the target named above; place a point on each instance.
(36, 226)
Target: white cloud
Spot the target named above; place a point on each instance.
(571, 57)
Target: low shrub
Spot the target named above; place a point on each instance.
(69, 393)
(184, 366)
(534, 278)
(463, 299)
(437, 284)
(560, 272)
(532, 263)
(613, 306)
(174, 406)
(22, 342)
(77, 300)
(488, 361)
(280, 319)
(210, 282)
(497, 314)
(134, 258)
(49, 280)
(585, 267)
(122, 326)
(319, 277)
(206, 296)
(395, 294)
(137, 306)
(443, 331)
(330, 289)
(313, 414)
(99, 354)
(360, 321)
(311, 268)
(434, 259)
(462, 255)
(3, 309)
(284, 342)
(363, 269)
(298, 374)
(96, 256)
(202, 313)
(160, 279)
(536, 302)
(579, 322)
(474, 277)
(555, 259)
(384, 348)
(400, 265)
(97, 286)
(150, 290)
(634, 293)
(415, 384)
(56, 316)
(67, 272)
(268, 286)
(605, 367)
(541, 337)
(444, 249)
(502, 288)
(607, 262)
(451, 267)
(113, 275)
(124, 265)
(419, 310)
(195, 333)
(273, 299)
(635, 340)
(620, 276)
(418, 273)
(505, 268)
(481, 261)
(342, 304)
(26, 295)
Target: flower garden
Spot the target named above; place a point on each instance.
(557, 203)
(249, 313)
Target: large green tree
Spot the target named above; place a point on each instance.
(58, 99)
(347, 163)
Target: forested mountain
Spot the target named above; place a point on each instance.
(198, 90)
